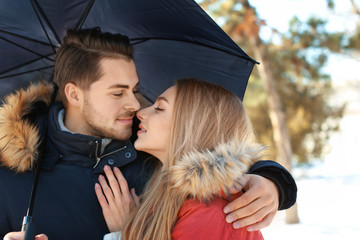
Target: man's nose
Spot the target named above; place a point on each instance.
(132, 104)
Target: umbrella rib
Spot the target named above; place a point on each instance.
(141, 40)
(24, 64)
(27, 49)
(84, 15)
(37, 7)
(33, 70)
(23, 37)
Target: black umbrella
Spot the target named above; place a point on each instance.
(172, 38)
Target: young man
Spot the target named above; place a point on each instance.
(90, 128)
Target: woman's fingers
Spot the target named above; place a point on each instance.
(122, 182)
(135, 197)
(101, 198)
(114, 197)
(113, 182)
(106, 189)
(117, 191)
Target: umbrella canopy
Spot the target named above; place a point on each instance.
(172, 38)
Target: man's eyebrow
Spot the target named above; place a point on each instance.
(162, 98)
(118, 85)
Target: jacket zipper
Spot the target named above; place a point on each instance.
(99, 158)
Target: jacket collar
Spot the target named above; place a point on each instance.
(21, 126)
(203, 175)
(82, 150)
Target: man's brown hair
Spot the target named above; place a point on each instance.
(78, 58)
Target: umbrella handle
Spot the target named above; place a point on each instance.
(29, 228)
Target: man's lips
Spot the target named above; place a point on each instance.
(128, 120)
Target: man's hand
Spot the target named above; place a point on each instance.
(21, 236)
(257, 207)
(115, 200)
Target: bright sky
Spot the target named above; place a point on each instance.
(303, 9)
(277, 14)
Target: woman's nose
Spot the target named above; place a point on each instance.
(139, 114)
(142, 114)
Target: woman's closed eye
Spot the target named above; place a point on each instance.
(158, 109)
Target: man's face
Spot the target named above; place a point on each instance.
(110, 104)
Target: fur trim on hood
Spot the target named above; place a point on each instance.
(19, 137)
(203, 175)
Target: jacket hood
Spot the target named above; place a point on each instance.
(202, 175)
(19, 134)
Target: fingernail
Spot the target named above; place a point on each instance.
(236, 225)
(226, 210)
(116, 169)
(101, 177)
(229, 219)
(106, 168)
(97, 185)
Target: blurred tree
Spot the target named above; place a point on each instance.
(354, 39)
(289, 83)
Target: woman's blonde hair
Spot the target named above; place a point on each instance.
(204, 116)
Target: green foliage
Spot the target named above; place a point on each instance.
(297, 63)
(354, 40)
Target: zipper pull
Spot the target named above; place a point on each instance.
(97, 162)
(96, 154)
(99, 158)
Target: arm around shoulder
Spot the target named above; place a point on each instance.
(282, 179)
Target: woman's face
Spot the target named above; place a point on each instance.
(155, 126)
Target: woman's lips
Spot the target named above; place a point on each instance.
(141, 130)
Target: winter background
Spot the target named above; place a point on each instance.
(328, 189)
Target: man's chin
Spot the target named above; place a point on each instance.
(121, 136)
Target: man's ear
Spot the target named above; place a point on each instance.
(74, 94)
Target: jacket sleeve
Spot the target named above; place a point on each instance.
(282, 179)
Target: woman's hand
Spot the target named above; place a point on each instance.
(257, 207)
(116, 200)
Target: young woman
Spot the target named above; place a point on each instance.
(205, 142)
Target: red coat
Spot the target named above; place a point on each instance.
(198, 220)
(203, 175)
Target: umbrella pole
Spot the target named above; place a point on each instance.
(28, 224)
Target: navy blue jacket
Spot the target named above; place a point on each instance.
(66, 206)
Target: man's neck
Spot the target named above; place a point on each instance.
(72, 121)
(62, 120)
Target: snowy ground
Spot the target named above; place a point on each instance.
(329, 191)
(328, 203)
